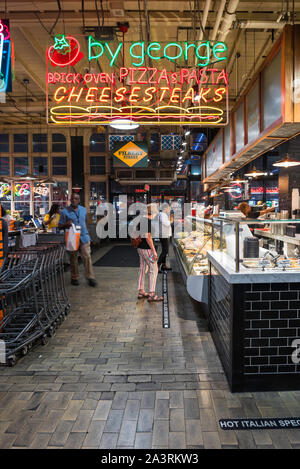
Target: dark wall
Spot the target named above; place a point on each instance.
(288, 179)
(77, 156)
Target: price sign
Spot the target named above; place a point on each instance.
(264, 263)
(284, 263)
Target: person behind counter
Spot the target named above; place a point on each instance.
(51, 219)
(249, 213)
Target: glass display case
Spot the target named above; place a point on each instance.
(192, 246)
(262, 245)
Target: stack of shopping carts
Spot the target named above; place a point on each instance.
(33, 299)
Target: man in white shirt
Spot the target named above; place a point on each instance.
(165, 234)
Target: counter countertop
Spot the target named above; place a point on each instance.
(226, 266)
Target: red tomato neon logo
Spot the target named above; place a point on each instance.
(65, 51)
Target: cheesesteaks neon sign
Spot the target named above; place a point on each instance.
(148, 95)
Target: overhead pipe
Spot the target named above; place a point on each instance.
(204, 18)
(261, 25)
(218, 20)
(228, 19)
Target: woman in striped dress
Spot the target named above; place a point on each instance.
(148, 257)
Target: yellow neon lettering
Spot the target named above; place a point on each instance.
(74, 95)
(59, 100)
(175, 97)
(190, 94)
(203, 94)
(120, 95)
(164, 90)
(104, 97)
(149, 92)
(219, 92)
(90, 96)
(134, 95)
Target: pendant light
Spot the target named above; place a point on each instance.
(48, 180)
(286, 162)
(124, 124)
(237, 180)
(254, 173)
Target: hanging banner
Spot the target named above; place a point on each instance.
(163, 83)
(130, 154)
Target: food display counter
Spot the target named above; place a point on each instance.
(253, 301)
(254, 310)
(191, 252)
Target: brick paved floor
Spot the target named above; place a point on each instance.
(112, 377)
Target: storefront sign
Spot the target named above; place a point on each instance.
(153, 94)
(130, 154)
(259, 424)
(5, 57)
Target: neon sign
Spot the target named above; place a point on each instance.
(205, 52)
(147, 95)
(5, 53)
(236, 191)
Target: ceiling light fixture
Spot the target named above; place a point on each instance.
(286, 162)
(255, 173)
(124, 124)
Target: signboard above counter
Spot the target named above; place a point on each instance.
(147, 90)
(266, 115)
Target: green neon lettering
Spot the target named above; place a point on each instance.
(170, 45)
(204, 57)
(154, 46)
(97, 44)
(218, 48)
(142, 57)
(187, 46)
(114, 56)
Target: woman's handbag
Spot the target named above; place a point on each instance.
(136, 242)
(135, 239)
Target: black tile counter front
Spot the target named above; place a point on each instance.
(254, 326)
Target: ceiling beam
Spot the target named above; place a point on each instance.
(33, 75)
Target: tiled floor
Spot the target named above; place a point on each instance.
(113, 377)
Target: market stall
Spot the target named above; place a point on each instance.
(254, 309)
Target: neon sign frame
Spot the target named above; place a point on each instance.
(146, 95)
(5, 54)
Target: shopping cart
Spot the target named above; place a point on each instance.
(33, 298)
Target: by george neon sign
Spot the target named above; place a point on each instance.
(149, 93)
(205, 52)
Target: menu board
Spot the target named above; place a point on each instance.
(253, 112)
(214, 158)
(227, 143)
(272, 92)
(239, 126)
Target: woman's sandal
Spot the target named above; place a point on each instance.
(143, 295)
(154, 298)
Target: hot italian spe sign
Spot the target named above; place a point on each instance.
(259, 424)
(158, 83)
